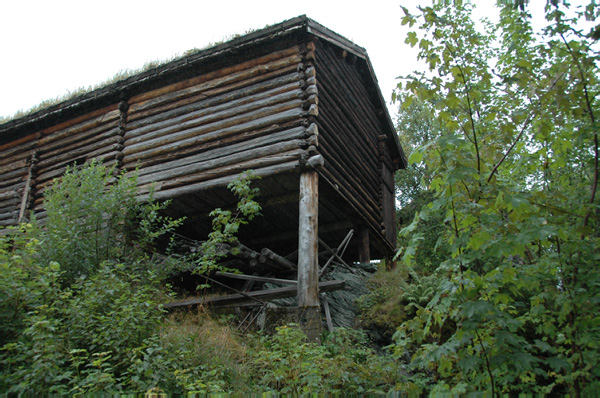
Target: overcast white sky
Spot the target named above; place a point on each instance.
(52, 47)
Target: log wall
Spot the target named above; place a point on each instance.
(358, 160)
(192, 135)
(185, 136)
(189, 128)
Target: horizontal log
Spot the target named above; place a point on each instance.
(210, 88)
(229, 149)
(13, 173)
(78, 140)
(177, 143)
(355, 137)
(349, 89)
(216, 96)
(211, 99)
(107, 160)
(229, 169)
(15, 146)
(16, 164)
(216, 162)
(215, 114)
(260, 295)
(220, 182)
(360, 211)
(15, 179)
(79, 124)
(284, 262)
(57, 168)
(8, 222)
(11, 216)
(8, 195)
(19, 152)
(352, 185)
(213, 130)
(213, 79)
(88, 149)
(130, 163)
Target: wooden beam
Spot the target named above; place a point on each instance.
(364, 252)
(308, 240)
(309, 315)
(257, 278)
(261, 295)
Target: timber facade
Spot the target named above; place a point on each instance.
(295, 102)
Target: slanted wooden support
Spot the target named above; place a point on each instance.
(26, 199)
(308, 256)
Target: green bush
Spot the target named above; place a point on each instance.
(80, 310)
(287, 364)
(93, 216)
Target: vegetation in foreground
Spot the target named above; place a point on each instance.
(80, 309)
(497, 292)
(504, 182)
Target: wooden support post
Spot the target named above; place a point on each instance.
(364, 252)
(309, 315)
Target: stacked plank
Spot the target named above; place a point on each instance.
(202, 132)
(349, 138)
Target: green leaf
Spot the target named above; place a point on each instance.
(411, 38)
(415, 157)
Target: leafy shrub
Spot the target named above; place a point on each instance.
(95, 323)
(191, 354)
(381, 309)
(344, 363)
(93, 216)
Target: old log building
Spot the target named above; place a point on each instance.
(295, 102)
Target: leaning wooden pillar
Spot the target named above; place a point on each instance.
(309, 315)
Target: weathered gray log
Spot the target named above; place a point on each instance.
(214, 161)
(256, 66)
(215, 96)
(230, 169)
(78, 141)
(79, 124)
(284, 262)
(352, 164)
(25, 201)
(221, 113)
(308, 268)
(90, 150)
(325, 304)
(220, 81)
(15, 164)
(336, 75)
(217, 151)
(18, 147)
(56, 169)
(351, 197)
(221, 181)
(198, 135)
(263, 295)
(9, 195)
(223, 142)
